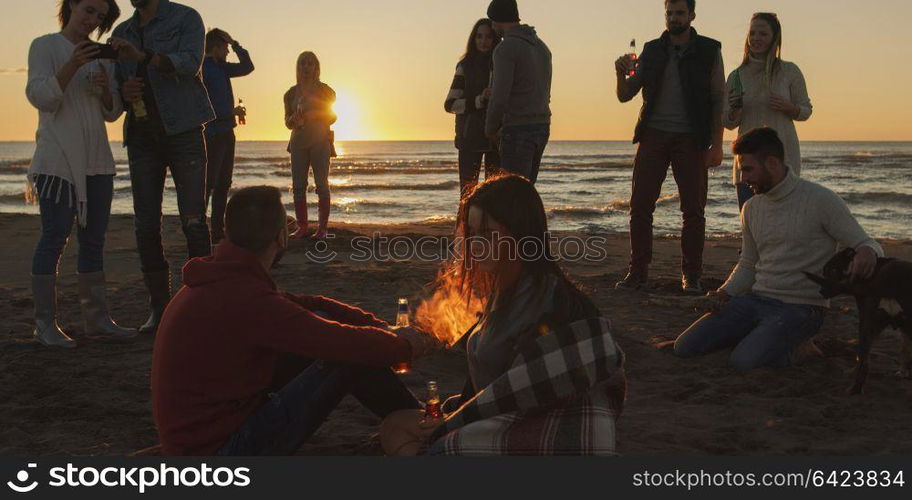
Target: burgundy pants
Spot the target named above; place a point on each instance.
(658, 149)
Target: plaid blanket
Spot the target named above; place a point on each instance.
(561, 396)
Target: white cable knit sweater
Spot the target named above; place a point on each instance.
(795, 227)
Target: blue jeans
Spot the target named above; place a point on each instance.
(295, 412)
(57, 223)
(151, 152)
(764, 331)
(522, 147)
(744, 193)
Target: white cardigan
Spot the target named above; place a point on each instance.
(72, 142)
(788, 82)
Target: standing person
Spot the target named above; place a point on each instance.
(220, 139)
(767, 91)
(683, 83)
(519, 112)
(468, 100)
(309, 114)
(161, 52)
(73, 170)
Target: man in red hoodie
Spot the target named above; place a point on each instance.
(221, 336)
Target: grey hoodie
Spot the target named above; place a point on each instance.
(521, 94)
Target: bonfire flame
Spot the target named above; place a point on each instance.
(447, 314)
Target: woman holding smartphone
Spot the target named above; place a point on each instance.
(309, 114)
(72, 171)
(767, 91)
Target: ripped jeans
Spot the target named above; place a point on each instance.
(151, 153)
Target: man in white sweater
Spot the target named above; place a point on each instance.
(767, 307)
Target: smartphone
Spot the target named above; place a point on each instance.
(107, 51)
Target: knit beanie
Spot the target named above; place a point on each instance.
(503, 11)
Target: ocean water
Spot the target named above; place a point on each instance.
(585, 185)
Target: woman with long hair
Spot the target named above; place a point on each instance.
(767, 91)
(72, 171)
(531, 316)
(468, 100)
(309, 115)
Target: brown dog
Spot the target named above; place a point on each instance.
(884, 300)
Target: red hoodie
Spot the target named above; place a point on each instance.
(218, 342)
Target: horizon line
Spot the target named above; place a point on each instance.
(628, 140)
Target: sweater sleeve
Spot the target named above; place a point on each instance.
(726, 106)
(717, 87)
(42, 90)
(338, 311)
(842, 225)
(456, 101)
(242, 68)
(113, 114)
(504, 67)
(741, 280)
(288, 327)
(799, 95)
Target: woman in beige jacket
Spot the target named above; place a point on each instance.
(766, 91)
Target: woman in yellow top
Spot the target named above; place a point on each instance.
(309, 115)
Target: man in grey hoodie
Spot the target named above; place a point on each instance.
(519, 113)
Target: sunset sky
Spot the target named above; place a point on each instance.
(391, 61)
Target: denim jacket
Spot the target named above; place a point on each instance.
(176, 32)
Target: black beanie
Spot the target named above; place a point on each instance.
(503, 11)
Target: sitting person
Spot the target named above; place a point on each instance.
(222, 335)
(768, 307)
(545, 375)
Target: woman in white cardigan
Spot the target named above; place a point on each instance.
(766, 91)
(72, 170)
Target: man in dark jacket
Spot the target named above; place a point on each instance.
(682, 79)
(160, 55)
(220, 139)
(519, 113)
(214, 366)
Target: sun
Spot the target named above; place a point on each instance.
(348, 125)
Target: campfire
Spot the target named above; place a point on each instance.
(447, 315)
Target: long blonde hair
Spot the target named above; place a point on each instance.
(298, 67)
(774, 54)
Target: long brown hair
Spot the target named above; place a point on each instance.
(512, 201)
(471, 47)
(66, 11)
(774, 54)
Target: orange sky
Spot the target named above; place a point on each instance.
(391, 61)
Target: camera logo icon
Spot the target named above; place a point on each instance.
(20, 486)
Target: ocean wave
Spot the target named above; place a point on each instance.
(17, 165)
(584, 212)
(877, 197)
(440, 186)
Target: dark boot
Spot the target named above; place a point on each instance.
(159, 286)
(325, 206)
(47, 331)
(301, 216)
(95, 308)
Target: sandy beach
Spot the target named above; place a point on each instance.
(95, 400)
